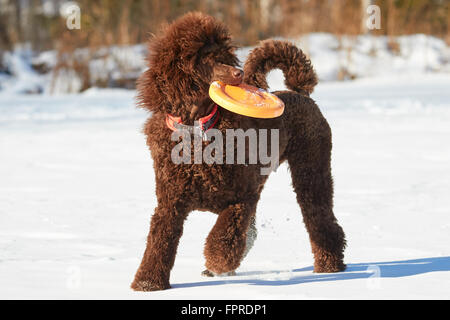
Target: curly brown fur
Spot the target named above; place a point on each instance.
(274, 54)
(189, 54)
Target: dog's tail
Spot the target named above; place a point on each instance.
(275, 54)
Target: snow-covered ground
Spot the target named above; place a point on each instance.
(77, 193)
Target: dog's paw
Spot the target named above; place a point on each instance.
(329, 268)
(144, 285)
(207, 273)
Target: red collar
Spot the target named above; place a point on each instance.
(204, 124)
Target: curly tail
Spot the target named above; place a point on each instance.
(275, 54)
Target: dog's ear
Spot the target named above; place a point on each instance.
(150, 94)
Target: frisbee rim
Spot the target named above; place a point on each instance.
(218, 95)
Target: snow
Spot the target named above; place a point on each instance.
(23, 78)
(367, 56)
(77, 189)
(77, 193)
(108, 66)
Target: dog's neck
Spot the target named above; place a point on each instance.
(196, 111)
(201, 125)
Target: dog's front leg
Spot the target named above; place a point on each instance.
(159, 256)
(226, 243)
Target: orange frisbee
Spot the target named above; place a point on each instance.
(246, 100)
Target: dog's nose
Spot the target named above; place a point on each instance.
(238, 73)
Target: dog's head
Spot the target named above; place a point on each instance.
(184, 59)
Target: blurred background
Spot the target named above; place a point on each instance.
(108, 22)
(111, 33)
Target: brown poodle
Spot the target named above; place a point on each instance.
(184, 59)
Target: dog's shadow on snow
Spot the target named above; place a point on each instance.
(391, 269)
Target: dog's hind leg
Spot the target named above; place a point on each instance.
(162, 242)
(227, 242)
(309, 162)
